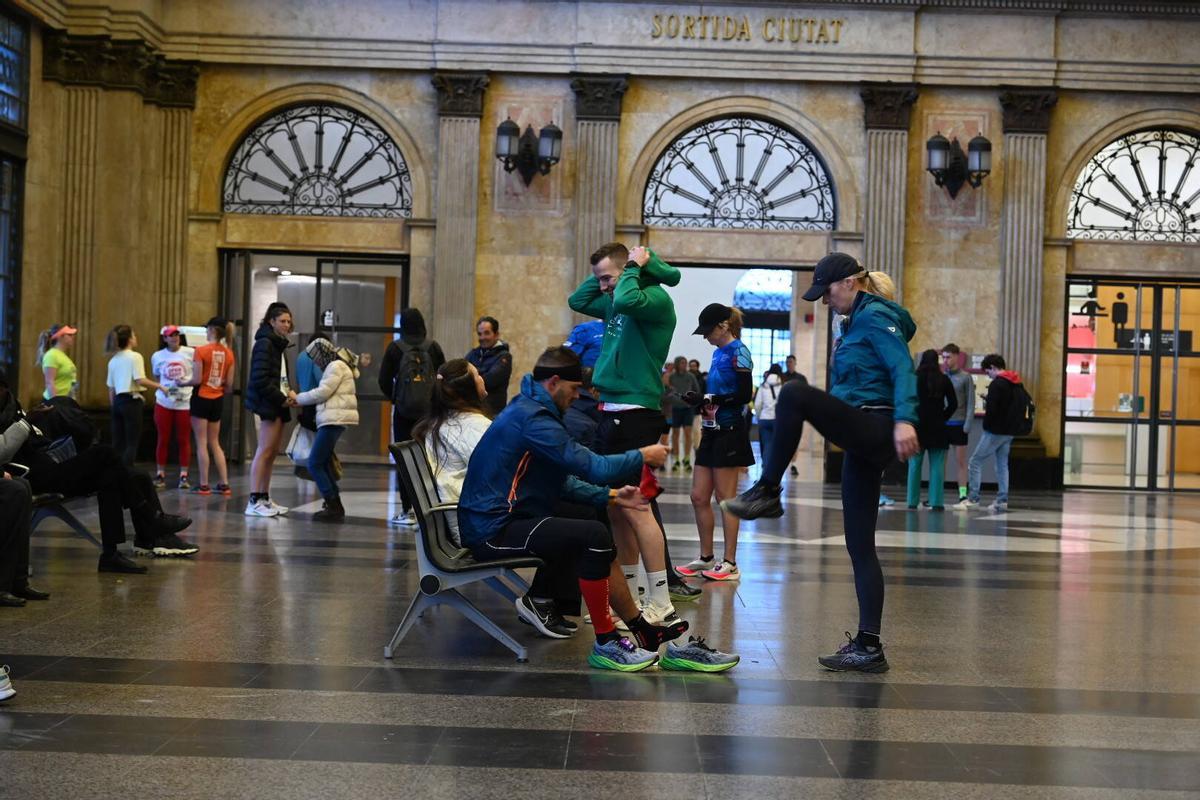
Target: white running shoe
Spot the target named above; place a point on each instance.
(998, 508)
(656, 615)
(405, 519)
(966, 504)
(725, 571)
(6, 687)
(257, 508)
(280, 510)
(693, 568)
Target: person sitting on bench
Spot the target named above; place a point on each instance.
(16, 511)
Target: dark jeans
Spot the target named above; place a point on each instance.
(629, 430)
(127, 426)
(16, 512)
(402, 432)
(586, 544)
(99, 470)
(766, 436)
(320, 459)
(866, 436)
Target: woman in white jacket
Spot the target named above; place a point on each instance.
(456, 421)
(764, 409)
(337, 408)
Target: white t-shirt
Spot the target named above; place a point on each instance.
(124, 369)
(173, 370)
(459, 435)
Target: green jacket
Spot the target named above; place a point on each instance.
(639, 321)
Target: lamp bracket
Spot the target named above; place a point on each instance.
(955, 174)
(526, 161)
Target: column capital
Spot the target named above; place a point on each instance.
(887, 106)
(1027, 110)
(119, 64)
(460, 94)
(598, 97)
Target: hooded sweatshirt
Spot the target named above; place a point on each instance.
(639, 321)
(997, 405)
(871, 363)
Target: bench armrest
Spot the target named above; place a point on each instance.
(442, 508)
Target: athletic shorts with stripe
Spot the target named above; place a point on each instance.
(556, 540)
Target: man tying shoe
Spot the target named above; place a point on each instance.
(523, 465)
(625, 290)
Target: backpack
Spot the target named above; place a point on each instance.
(413, 390)
(1022, 412)
(62, 417)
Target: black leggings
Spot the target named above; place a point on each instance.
(586, 544)
(866, 438)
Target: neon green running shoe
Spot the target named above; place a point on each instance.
(621, 655)
(698, 657)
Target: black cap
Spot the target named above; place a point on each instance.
(712, 316)
(831, 269)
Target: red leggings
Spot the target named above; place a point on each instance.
(171, 422)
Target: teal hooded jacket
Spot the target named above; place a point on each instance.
(871, 363)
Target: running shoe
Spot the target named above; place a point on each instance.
(544, 619)
(693, 568)
(760, 500)
(279, 510)
(660, 616)
(853, 657)
(405, 519)
(6, 687)
(184, 483)
(203, 489)
(966, 504)
(697, 656)
(677, 466)
(725, 571)
(171, 545)
(257, 508)
(998, 508)
(885, 501)
(225, 489)
(681, 591)
(621, 655)
(160, 481)
(687, 465)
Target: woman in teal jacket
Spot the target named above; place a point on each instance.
(870, 412)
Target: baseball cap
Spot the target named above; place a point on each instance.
(169, 330)
(831, 269)
(712, 316)
(61, 330)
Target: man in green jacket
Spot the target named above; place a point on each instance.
(626, 291)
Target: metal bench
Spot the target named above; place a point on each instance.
(444, 566)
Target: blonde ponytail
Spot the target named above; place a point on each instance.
(878, 283)
(44, 344)
(735, 322)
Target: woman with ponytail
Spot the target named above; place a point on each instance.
(212, 375)
(456, 421)
(267, 388)
(58, 370)
(870, 412)
(126, 379)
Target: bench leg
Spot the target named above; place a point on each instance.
(516, 580)
(457, 600)
(420, 603)
(62, 514)
(502, 589)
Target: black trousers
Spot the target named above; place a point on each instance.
(585, 544)
(402, 432)
(99, 470)
(127, 426)
(866, 438)
(16, 512)
(629, 430)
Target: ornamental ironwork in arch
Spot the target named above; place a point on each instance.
(740, 172)
(320, 160)
(1143, 187)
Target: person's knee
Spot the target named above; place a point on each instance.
(701, 499)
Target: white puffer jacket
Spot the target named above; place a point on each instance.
(334, 396)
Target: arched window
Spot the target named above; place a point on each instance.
(740, 172)
(318, 160)
(1142, 187)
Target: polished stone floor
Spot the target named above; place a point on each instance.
(1048, 652)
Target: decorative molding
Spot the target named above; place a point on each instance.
(128, 64)
(598, 97)
(888, 106)
(1027, 110)
(460, 94)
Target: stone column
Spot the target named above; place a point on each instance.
(170, 285)
(1026, 122)
(597, 115)
(79, 206)
(460, 106)
(887, 111)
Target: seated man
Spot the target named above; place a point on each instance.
(100, 470)
(523, 465)
(16, 510)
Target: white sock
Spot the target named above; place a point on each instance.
(643, 581)
(631, 577)
(660, 595)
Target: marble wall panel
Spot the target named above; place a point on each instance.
(544, 195)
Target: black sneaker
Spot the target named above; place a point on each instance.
(171, 545)
(759, 500)
(854, 657)
(170, 523)
(118, 562)
(143, 547)
(682, 591)
(542, 617)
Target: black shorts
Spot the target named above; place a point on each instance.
(728, 447)
(207, 408)
(956, 435)
(629, 430)
(283, 414)
(682, 417)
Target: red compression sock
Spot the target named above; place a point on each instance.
(595, 596)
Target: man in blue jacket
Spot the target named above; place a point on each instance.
(523, 465)
(587, 340)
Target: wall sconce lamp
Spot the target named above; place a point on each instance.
(951, 167)
(528, 153)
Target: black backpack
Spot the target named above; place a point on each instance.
(1021, 412)
(413, 389)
